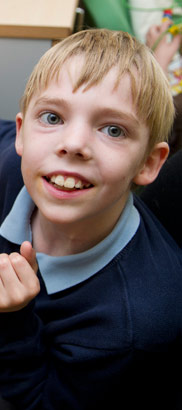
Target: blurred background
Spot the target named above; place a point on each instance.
(27, 30)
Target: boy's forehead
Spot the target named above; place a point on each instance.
(62, 85)
(110, 91)
(76, 69)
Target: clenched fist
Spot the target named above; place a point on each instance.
(18, 280)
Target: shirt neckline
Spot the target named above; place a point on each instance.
(60, 273)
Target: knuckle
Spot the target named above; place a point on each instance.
(4, 261)
(26, 293)
(16, 259)
(19, 297)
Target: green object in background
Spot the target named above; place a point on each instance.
(111, 14)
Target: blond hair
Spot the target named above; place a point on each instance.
(103, 49)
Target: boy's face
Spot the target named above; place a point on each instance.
(92, 141)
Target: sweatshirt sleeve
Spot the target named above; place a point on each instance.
(11, 180)
(22, 358)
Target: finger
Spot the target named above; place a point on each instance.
(25, 273)
(7, 274)
(152, 35)
(29, 254)
(18, 282)
(165, 25)
(10, 286)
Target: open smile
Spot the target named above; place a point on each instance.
(67, 183)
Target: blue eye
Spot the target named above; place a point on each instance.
(113, 131)
(50, 118)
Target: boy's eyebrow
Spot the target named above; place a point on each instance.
(51, 101)
(103, 111)
(118, 114)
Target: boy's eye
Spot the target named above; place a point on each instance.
(50, 118)
(113, 131)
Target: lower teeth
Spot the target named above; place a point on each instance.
(64, 188)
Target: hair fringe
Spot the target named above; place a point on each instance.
(103, 49)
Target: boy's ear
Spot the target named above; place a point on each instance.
(153, 164)
(19, 134)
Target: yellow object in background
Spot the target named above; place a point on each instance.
(175, 29)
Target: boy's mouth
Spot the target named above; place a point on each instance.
(67, 183)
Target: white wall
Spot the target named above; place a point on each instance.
(17, 59)
(151, 14)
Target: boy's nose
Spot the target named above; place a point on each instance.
(75, 143)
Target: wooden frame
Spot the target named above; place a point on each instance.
(50, 19)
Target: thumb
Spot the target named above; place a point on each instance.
(29, 254)
(166, 24)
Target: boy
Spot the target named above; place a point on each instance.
(100, 323)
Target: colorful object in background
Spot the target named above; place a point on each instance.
(175, 76)
(175, 29)
(175, 67)
(167, 15)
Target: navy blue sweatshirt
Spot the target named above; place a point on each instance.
(112, 341)
(164, 196)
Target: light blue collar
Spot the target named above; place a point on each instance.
(60, 273)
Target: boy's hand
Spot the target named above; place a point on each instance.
(18, 280)
(165, 50)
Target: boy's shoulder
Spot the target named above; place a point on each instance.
(151, 227)
(7, 132)
(152, 245)
(152, 256)
(164, 198)
(10, 168)
(152, 267)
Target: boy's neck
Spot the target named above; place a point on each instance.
(68, 239)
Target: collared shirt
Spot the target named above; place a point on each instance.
(62, 272)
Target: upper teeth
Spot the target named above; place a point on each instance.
(67, 182)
